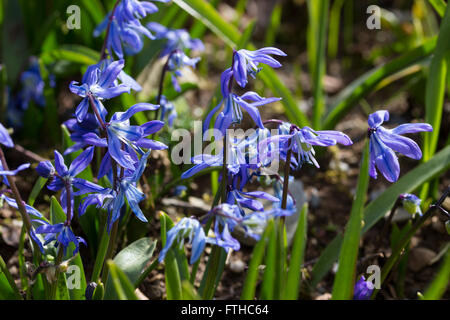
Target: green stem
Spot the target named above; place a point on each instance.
(111, 245)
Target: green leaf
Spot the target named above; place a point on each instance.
(57, 214)
(172, 274)
(73, 53)
(39, 184)
(95, 9)
(345, 277)
(436, 85)
(268, 281)
(205, 12)
(297, 255)
(189, 292)
(439, 6)
(123, 288)
(248, 291)
(440, 283)
(378, 208)
(365, 84)
(132, 260)
(318, 19)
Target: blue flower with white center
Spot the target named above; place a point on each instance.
(98, 84)
(186, 228)
(276, 210)
(411, 203)
(126, 29)
(245, 63)
(61, 233)
(363, 289)
(384, 143)
(167, 109)
(232, 110)
(176, 39)
(122, 137)
(5, 139)
(65, 178)
(301, 142)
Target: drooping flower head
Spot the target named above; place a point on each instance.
(363, 289)
(167, 110)
(32, 86)
(64, 177)
(301, 142)
(5, 139)
(98, 84)
(126, 31)
(384, 142)
(176, 39)
(186, 228)
(123, 137)
(245, 63)
(61, 233)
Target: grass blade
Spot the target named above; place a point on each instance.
(440, 283)
(345, 277)
(297, 255)
(248, 291)
(378, 208)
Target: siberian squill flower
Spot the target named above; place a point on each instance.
(61, 233)
(363, 289)
(185, 228)
(114, 200)
(245, 63)
(176, 39)
(126, 29)
(384, 143)
(5, 139)
(232, 110)
(98, 84)
(65, 178)
(167, 109)
(79, 129)
(32, 86)
(226, 218)
(122, 136)
(302, 140)
(411, 203)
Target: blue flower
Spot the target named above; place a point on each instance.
(64, 177)
(246, 62)
(29, 209)
(167, 109)
(301, 142)
(32, 86)
(411, 203)
(384, 143)
(123, 137)
(5, 173)
(363, 289)
(232, 111)
(126, 30)
(5, 139)
(178, 60)
(177, 39)
(61, 233)
(226, 218)
(99, 84)
(79, 129)
(186, 228)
